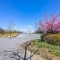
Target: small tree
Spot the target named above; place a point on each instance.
(11, 27)
(50, 25)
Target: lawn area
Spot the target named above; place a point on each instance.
(46, 50)
(53, 49)
(8, 34)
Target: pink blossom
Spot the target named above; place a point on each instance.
(52, 25)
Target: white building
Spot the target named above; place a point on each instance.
(29, 29)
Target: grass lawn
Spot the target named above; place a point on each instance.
(52, 49)
(45, 50)
(8, 34)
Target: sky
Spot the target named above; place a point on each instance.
(26, 13)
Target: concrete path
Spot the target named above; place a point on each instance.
(7, 44)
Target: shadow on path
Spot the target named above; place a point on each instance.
(16, 55)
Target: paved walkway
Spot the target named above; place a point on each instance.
(7, 44)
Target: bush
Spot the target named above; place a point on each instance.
(52, 39)
(42, 36)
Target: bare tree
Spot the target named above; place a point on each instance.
(11, 27)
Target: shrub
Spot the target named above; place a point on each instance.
(52, 39)
(42, 36)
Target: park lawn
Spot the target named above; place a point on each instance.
(8, 34)
(2, 35)
(14, 34)
(45, 50)
(45, 47)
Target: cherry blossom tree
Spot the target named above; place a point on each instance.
(51, 25)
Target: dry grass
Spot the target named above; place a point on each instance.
(52, 39)
(55, 36)
(8, 34)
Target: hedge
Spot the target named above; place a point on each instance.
(51, 38)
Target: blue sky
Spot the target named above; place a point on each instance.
(26, 12)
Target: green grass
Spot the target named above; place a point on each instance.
(55, 52)
(52, 49)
